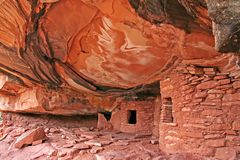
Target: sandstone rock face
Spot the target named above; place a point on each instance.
(108, 50)
(161, 67)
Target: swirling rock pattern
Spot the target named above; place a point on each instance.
(105, 48)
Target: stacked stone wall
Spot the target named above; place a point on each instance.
(144, 117)
(205, 109)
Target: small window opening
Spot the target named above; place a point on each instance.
(167, 115)
(132, 117)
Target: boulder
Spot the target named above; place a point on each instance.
(30, 137)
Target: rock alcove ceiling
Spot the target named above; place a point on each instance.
(65, 56)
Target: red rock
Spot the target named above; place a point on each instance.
(212, 112)
(195, 70)
(209, 69)
(216, 142)
(207, 85)
(29, 137)
(232, 97)
(219, 127)
(81, 56)
(37, 142)
(79, 140)
(236, 125)
(89, 135)
(116, 115)
(84, 129)
(17, 132)
(214, 96)
(186, 109)
(210, 73)
(218, 77)
(224, 81)
(96, 149)
(103, 123)
(230, 132)
(121, 143)
(54, 130)
(224, 87)
(213, 136)
(67, 146)
(229, 104)
(93, 143)
(236, 85)
(226, 153)
(230, 91)
(209, 103)
(200, 94)
(81, 146)
(186, 87)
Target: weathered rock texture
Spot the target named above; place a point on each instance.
(101, 48)
(77, 140)
(81, 57)
(205, 106)
(144, 118)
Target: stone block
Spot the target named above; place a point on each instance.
(204, 151)
(229, 104)
(216, 91)
(207, 85)
(198, 79)
(218, 77)
(186, 109)
(232, 97)
(219, 127)
(213, 136)
(224, 87)
(224, 81)
(185, 87)
(226, 153)
(29, 137)
(195, 70)
(192, 134)
(201, 94)
(236, 85)
(230, 91)
(212, 112)
(213, 69)
(188, 97)
(197, 100)
(236, 125)
(214, 96)
(208, 103)
(215, 142)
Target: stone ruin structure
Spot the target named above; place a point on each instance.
(166, 68)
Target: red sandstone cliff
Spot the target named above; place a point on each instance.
(58, 54)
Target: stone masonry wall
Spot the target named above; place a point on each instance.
(144, 119)
(157, 110)
(206, 113)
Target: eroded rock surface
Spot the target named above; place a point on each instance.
(84, 57)
(70, 142)
(102, 48)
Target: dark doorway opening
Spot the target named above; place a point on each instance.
(132, 117)
(107, 115)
